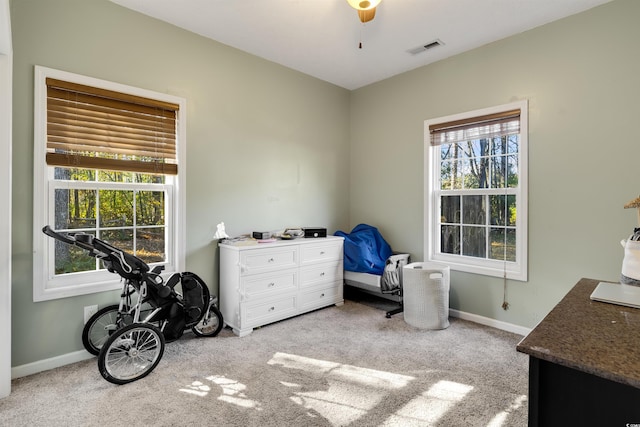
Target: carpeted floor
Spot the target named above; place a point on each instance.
(339, 366)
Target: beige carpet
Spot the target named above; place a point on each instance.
(339, 366)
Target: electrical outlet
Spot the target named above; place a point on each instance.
(89, 311)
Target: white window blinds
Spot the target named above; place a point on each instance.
(481, 127)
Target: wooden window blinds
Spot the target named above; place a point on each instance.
(480, 127)
(93, 128)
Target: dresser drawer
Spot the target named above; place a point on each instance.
(266, 284)
(321, 252)
(259, 261)
(320, 273)
(256, 314)
(321, 297)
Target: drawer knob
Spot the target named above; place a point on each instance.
(272, 308)
(270, 260)
(322, 295)
(321, 252)
(271, 285)
(322, 274)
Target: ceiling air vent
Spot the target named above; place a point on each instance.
(426, 46)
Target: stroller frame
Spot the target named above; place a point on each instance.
(129, 337)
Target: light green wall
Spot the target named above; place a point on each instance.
(581, 76)
(267, 146)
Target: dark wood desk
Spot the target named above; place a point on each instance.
(584, 363)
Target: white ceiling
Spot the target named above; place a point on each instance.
(321, 37)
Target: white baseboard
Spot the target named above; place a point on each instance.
(51, 363)
(498, 324)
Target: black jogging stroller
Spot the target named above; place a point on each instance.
(129, 337)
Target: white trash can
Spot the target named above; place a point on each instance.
(425, 295)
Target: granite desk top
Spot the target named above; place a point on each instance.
(594, 337)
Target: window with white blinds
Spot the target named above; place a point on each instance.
(475, 128)
(476, 199)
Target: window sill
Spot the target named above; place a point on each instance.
(485, 268)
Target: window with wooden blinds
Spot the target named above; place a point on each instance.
(93, 128)
(105, 159)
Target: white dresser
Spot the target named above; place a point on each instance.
(267, 282)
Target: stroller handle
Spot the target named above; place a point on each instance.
(58, 236)
(67, 238)
(115, 259)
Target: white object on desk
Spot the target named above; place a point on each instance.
(220, 232)
(617, 293)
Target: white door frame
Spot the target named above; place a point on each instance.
(6, 66)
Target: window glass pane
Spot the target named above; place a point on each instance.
(446, 151)
(146, 178)
(506, 144)
(476, 148)
(467, 150)
(116, 208)
(513, 143)
(498, 171)
(453, 166)
(503, 210)
(451, 174)
(117, 176)
(150, 244)
(474, 242)
(474, 210)
(499, 146)
(74, 209)
(511, 244)
(511, 210)
(478, 176)
(512, 171)
(446, 175)
(466, 175)
(461, 150)
(475, 171)
(503, 244)
(457, 174)
(150, 208)
(67, 174)
(450, 209)
(72, 259)
(450, 239)
(498, 210)
(121, 239)
(497, 243)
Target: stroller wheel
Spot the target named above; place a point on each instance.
(210, 324)
(100, 326)
(131, 353)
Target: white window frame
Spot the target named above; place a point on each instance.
(517, 270)
(48, 286)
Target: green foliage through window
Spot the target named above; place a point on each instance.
(477, 206)
(113, 206)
